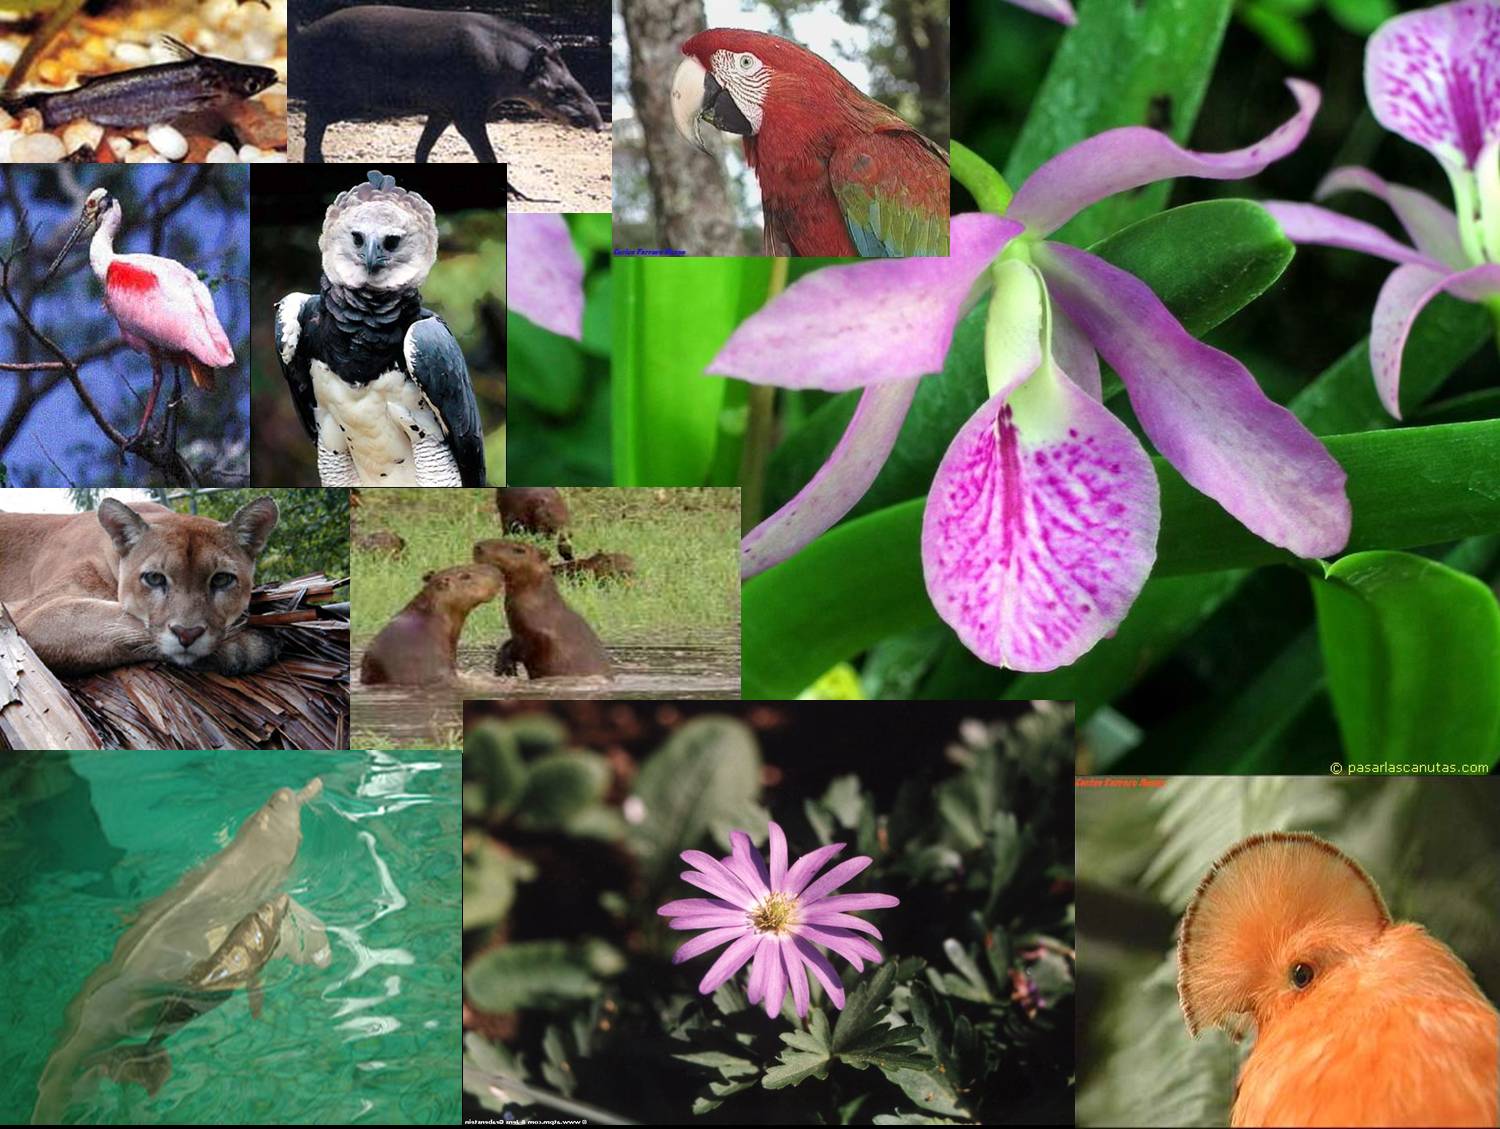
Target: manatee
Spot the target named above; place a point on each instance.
(173, 938)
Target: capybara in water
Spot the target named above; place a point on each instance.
(601, 566)
(525, 509)
(420, 644)
(381, 541)
(547, 637)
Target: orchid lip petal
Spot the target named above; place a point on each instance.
(1308, 223)
(1132, 156)
(1040, 527)
(1432, 228)
(1405, 294)
(1204, 410)
(544, 275)
(838, 484)
(818, 332)
(1432, 76)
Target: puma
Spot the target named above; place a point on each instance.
(130, 584)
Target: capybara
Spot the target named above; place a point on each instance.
(547, 637)
(525, 509)
(381, 541)
(601, 566)
(420, 644)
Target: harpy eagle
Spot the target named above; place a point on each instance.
(379, 382)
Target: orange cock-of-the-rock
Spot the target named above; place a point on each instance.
(1357, 1020)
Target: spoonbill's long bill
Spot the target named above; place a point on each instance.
(164, 310)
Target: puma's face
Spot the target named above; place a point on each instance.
(188, 579)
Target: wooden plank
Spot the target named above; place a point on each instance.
(36, 711)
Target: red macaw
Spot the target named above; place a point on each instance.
(839, 173)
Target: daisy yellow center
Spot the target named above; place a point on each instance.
(774, 914)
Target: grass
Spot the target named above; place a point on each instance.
(685, 544)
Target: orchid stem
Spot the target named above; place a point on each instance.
(761, 409)
(980, 177)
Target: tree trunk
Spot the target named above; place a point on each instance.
(689, 192)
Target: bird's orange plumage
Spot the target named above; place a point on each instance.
(1358, 1021)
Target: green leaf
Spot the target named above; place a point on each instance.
(704, 780)
(1412, 651)
(670, 319)
(492, 754)
(543, 369)
(1205, 261)
(1127, 63)
(529, 974)
(560, 787)
(490, 877)
(807, 1055)
(863, 580)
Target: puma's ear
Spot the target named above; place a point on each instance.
(124, 526)
(253, 522)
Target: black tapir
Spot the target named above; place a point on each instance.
(380, 61)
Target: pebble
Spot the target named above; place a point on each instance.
(249, 153)
(6, 121)
(134, 54)
(143, 155)
(222, 154)
(167, 141)
(119, 144)
(9, 52)
(37, 148)
(7, 139)
(81, 135)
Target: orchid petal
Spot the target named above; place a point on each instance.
(1308, 223)
(1013, 326)
(851, 326)
(1132, 156)
(544, 275)
(1433, 77)
(796, 974)
(823, 969)
(1432, 227)
(706, 941)
(1059, 10)
(1404, 296)
(1203, 409)
(1075, 355)
(838, 484)
(1040, 526)
(730, 961)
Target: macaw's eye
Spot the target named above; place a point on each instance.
(223, 580)
(1302, 975)
(359, 239)
(153, 580)
(746, 61)
(391, 242)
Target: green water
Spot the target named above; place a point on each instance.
(87, 838)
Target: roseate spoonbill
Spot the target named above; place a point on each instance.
(164, 310)
(379, 382)
(1358, 1020)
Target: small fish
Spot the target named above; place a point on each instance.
(146, 95)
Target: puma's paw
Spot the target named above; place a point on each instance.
(245, 652)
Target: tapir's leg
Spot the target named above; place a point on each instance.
(471, 126)
(312, 145)
(436, 123)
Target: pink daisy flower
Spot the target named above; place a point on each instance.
(777, 916)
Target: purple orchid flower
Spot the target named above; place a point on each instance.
(1040, 527)
(1432, 77)
(777, 916)
(544, 275)
(1059, 10)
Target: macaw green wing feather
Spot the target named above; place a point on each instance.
(892, 189)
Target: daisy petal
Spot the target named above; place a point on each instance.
(816, 334)
(819, 916)
(775, 979)
(1432, 227)
(809, 864)
(838, 484)
(796, 974)
(713, 876)
(1404, 296)
(765, 952)
(704, 942)
(709, 920)
(730, 961)
(850, 946)
(777, 844)
(1433, 76)
(823, 970)
(693, 905)
(1121, 159)
(746, 864)
(844, 903)
(1308, 223)
(544, 275)
(835, 878)
(1204, 410)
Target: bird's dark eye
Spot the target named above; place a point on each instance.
(392, 242)
(153, 580)
(223, 580)
(1302, 975)
(359, 239)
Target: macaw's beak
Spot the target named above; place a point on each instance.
(697, 97)
(90, 215)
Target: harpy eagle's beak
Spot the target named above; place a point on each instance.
(697, 97)
(374, 256)
(91, 211)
